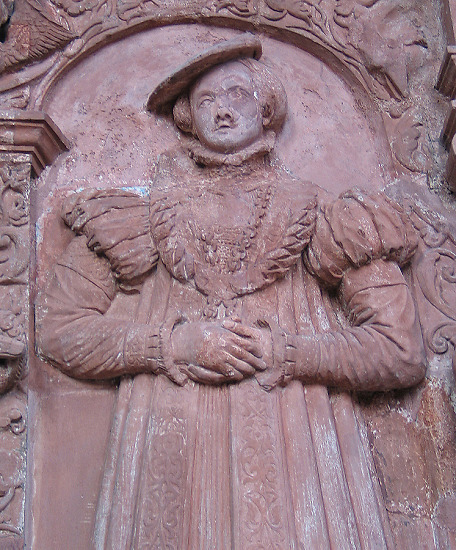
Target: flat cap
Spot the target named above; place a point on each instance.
(169, 89)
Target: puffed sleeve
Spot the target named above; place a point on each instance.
(113, 248)
(116, 224)
(355, 230)
(358, 245)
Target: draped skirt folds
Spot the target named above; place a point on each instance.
(236, 467)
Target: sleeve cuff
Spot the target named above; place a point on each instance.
(142, 349)
(301, 358)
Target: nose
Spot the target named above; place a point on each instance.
(223, 113)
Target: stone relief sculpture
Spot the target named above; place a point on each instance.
(14, 260)
(259, 301)
(373, 29)
(13, 265)
(30, 33)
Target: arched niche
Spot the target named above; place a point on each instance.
(99, 103)
(333, 136)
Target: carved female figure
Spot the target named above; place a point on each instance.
(234, 271)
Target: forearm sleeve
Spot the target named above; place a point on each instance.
(382, 349)
(73, 331)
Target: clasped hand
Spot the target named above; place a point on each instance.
(213, 353)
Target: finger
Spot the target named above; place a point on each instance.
(241, 367)
(177, 377)
(252, 360)
(251, 346)
(225, 366)
(240, 329)
(200, 374)
(220, 364)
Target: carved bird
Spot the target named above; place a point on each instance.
(30, 32)
(6, 9)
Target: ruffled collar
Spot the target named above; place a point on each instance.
(202, 155)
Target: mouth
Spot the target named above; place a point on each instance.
(224, 126)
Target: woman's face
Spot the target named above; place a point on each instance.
(225, 109)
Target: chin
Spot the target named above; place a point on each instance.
(227, 146)
(224, 147)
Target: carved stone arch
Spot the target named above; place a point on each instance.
(375, 163)
(305, 41)
(358, 82)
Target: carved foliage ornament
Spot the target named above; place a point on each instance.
(14, 254)
(13, 217)
(433, 268)
(12, 469)
(33, 32)
(383, 36)
(376, 45)
(436, 275)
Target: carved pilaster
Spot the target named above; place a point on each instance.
(28, 142)
(448, 140)
(15, 172)
(446, 82)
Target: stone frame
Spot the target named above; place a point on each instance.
(30, 141)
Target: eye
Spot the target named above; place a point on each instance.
(205, 101)
(238, 93)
